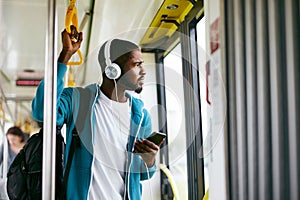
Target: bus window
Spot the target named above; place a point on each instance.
(202, 78)
(176, 120)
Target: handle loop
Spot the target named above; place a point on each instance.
(72, 19)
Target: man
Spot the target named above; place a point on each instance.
(113, 156)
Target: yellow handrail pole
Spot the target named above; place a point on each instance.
(171, 180)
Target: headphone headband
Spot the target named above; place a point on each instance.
(112, 70)
(107, 53)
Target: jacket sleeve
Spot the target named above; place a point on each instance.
(147, 173)
(62, 105)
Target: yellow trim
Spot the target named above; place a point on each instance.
(174, 44)
(206, 196)
(166, 21)
(71, 80)
(201, 11)
(2, 112)
(171, 180)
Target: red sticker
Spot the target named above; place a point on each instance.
(214, 36)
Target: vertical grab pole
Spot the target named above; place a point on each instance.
(49, 137)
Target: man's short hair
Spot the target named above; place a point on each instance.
(118, 48)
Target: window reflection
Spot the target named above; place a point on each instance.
(176, 120)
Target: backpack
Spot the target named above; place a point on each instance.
(24, 177)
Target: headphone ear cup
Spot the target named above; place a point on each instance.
(113, 71)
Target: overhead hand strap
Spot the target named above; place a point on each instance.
(72, 19)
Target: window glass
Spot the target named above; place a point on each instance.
(176, 120)
(202, 76)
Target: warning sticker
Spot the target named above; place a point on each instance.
(214, 35)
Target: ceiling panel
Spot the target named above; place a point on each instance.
(23, 36)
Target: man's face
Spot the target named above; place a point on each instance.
(133, 73)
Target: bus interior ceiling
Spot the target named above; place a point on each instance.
(24, 35)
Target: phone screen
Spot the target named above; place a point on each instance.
(156, 137)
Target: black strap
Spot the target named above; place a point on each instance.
(74, 143)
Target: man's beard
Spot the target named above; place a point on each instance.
(138, 90)
(124, 81)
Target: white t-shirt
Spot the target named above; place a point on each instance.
(110, 140)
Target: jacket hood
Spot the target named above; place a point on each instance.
(137, 104)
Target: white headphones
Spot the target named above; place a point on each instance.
(112, 70)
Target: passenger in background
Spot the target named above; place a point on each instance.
(16, 140)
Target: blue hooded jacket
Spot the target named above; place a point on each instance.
(68, 101)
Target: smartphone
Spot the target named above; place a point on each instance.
(156, 137)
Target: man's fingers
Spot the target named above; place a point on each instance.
(161, 142)
(150, 144)
(145, 147)
(74, 35)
